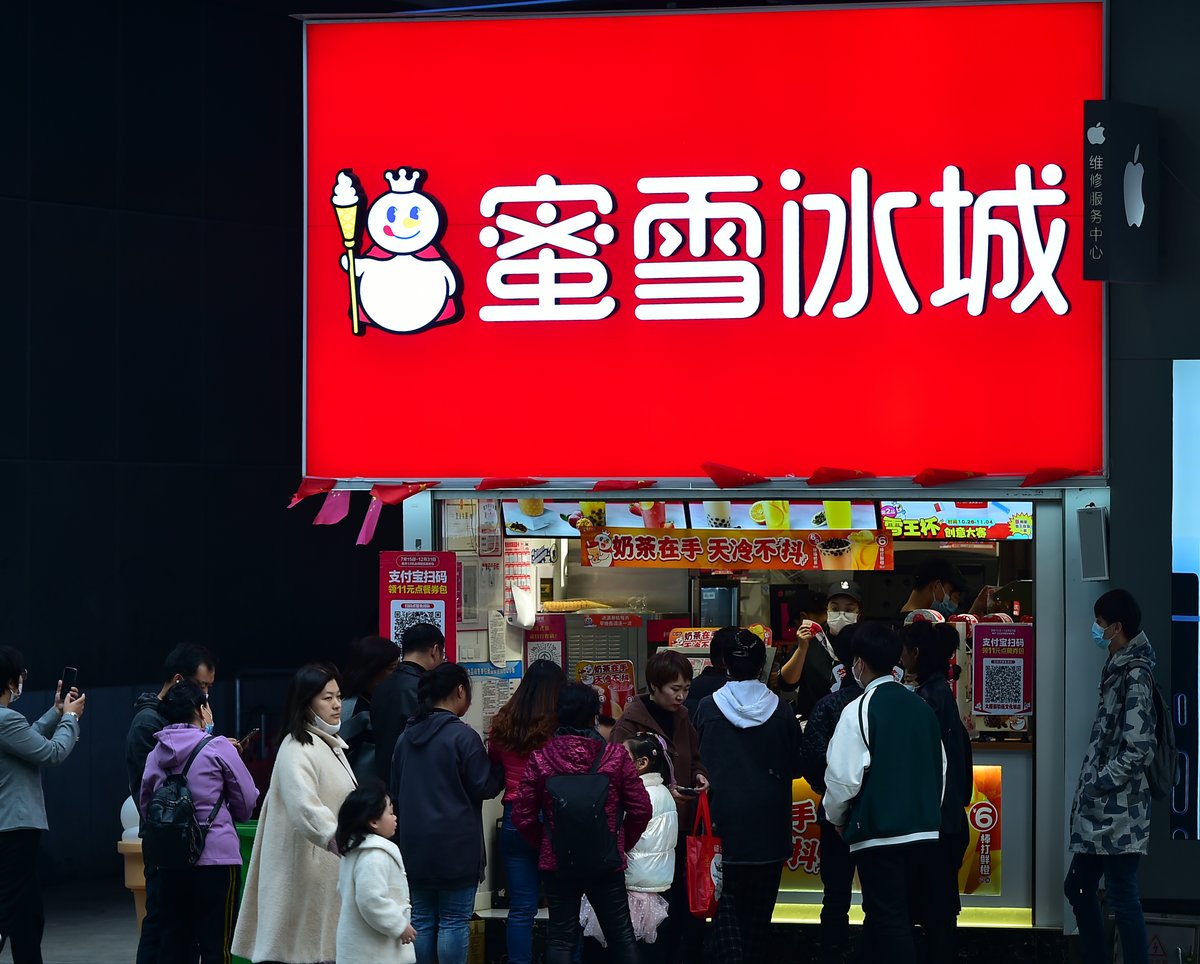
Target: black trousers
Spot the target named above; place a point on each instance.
(21, 918)
(889, 877)
(742, 927)
(606, 893)
(681, 934)
(936, 904)
(200, 908)
(837, 879)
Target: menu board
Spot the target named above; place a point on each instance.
(780, 514)
(536, 518)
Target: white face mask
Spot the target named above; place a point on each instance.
(838, 621)
(854, 673)
(331, 729)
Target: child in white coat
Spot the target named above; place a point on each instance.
(375, 926)
(650, 863)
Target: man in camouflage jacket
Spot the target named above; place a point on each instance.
(1110, 816)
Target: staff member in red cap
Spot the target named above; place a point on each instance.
(809, 671)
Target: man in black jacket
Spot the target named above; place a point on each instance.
(395, 699)
(750, 741)
(186, 661)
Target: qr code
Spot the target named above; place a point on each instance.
(406, 614)
(1003, 686)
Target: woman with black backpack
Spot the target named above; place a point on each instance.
(200, 896)
(585, 855)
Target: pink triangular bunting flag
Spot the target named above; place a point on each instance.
(334, 508)
(370, 521)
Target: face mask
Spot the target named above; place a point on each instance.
(208, 728)
(330, 729)
(854, 673)
(898, 675)
(1098, 636)
(946, 605)
(839, 621)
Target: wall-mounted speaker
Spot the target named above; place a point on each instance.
(1093, 543)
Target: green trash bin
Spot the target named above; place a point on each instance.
(245, 832)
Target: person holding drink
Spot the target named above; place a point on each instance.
(809, 670)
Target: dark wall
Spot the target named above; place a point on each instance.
(150, 377)
(150, 381)
(1152, 57)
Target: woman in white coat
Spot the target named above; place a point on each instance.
(375, 926)
(290, 906)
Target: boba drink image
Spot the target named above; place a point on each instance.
(719, 515)
(836, 554)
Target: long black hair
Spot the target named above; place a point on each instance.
(309, 680)
(367, 659)
(368, 802)
(935, 644)
(529, 719)
(439, 684)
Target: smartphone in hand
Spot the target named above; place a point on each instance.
(246, 740)
(69, 679)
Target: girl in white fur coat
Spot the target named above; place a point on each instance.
(375, 926)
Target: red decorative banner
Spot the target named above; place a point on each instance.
(418, 587)
(834, 550)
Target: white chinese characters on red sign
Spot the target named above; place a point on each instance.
(731, 287)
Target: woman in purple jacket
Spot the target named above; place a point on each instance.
(200, 903)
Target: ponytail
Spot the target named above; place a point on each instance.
(437, 685)
(654, 748)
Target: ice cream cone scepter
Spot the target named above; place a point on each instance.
(345, 203)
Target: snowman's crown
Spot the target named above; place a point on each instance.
(404, 180)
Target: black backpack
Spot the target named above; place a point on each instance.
(584, 845)
(172, 838)
(1162, 772)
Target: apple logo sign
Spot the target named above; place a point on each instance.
(1135, 206)
(1096, 134)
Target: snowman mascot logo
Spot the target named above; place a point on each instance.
(403, 282)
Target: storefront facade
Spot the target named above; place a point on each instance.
(722, 293)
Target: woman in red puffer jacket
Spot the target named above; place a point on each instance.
(575, 749)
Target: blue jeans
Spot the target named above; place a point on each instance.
(521, 876)
(1120, 873)
(442, 919)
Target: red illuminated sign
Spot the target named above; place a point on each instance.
(841, 208)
